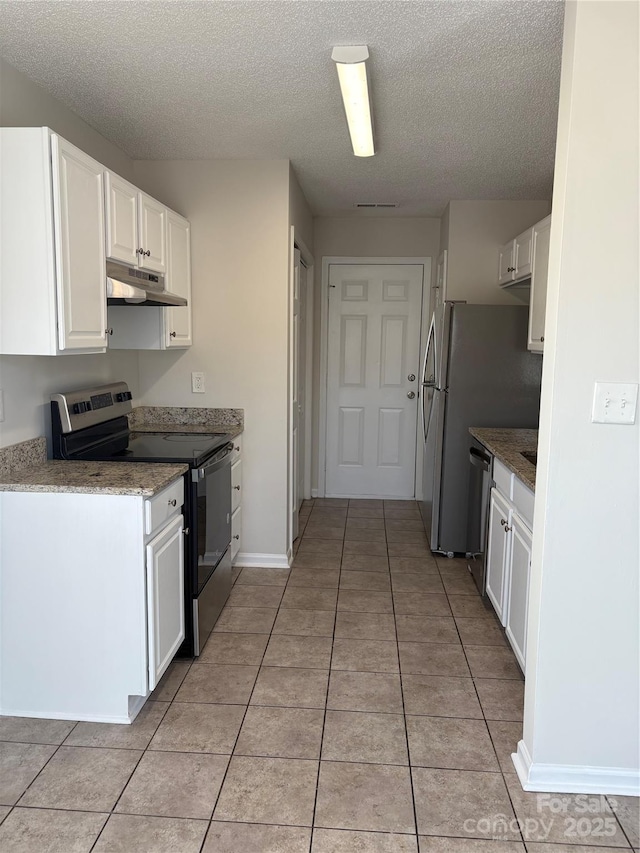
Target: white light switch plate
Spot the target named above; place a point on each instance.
(197, 383)
(614, 403)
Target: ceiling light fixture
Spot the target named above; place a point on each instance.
(352, 73)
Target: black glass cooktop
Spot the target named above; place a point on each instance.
(191, 448)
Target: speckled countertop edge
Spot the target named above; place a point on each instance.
(231, 430)
(507, 445)
(186, 419)
(93, 478)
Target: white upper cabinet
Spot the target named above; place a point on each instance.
(152, 217)
(121, 220)
(523, 255)
(178, 320)
(136, 231)
(78, 210)
(514, 259)
(506, 262)
(52, 255)
(538, 296)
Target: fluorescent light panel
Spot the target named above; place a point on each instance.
(352, 74)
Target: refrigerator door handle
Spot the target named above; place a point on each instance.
(427, 350)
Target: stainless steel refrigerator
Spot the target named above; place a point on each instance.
(477, 372)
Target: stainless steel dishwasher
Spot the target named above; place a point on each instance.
(480, 482)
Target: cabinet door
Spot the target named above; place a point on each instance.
(236, 485)
(506, 265)
(498, 553)
(121, 220)
(539, 272)
(523, 254)
(178, 320)
(236, 532)
(152, 229)
(78, 209)
(165, 598)
(518, 590)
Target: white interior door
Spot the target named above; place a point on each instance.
(301, 369)
(295, 395)
(372, 379)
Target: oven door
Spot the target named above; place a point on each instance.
(213, 515)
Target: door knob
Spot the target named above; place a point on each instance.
(411, 395)
(411, 377)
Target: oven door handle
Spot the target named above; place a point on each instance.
(214, 463)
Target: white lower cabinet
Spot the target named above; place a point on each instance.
(100, 589)
(165, 598)
(236, 498)
(498, 553)
(518, 589)
(509, 560)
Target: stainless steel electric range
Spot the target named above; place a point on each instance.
(92, 425)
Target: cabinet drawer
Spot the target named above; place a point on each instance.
(503, 478)
(158, 509)
(523, 500)
(237, 448)
(236, 532)
(236, 485)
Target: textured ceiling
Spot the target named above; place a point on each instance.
(464, 93)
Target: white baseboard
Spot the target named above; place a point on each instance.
(315, 493)
(124, 719)
(572, 779)
(261, 561)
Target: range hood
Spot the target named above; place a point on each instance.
(129, 286)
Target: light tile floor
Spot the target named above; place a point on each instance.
(364, 702)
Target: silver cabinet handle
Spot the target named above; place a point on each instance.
(173, 502)
(507, 528)
(172, 334)
(237, 487)
(108, 331)
(237, 536)
(541, 339)
(139, 251)
(186, 531)
(511, 269)
(411, 395)
(503, 521)
(237, 448)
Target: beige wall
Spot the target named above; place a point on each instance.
(472, 232)
(367, 237)
(299, 213)
(583, 666)
(28, 381)
(240, 217)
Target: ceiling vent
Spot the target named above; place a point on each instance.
(375, 204)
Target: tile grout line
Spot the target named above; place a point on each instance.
(404, 710)
(246, 711)
(137, 764)
(484, 719)
(326, 703)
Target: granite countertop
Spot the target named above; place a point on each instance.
(93, 478)
(507, 445)
(187, 419)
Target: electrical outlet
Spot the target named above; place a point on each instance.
(197, 383)
(614, 403)
(1, 405)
